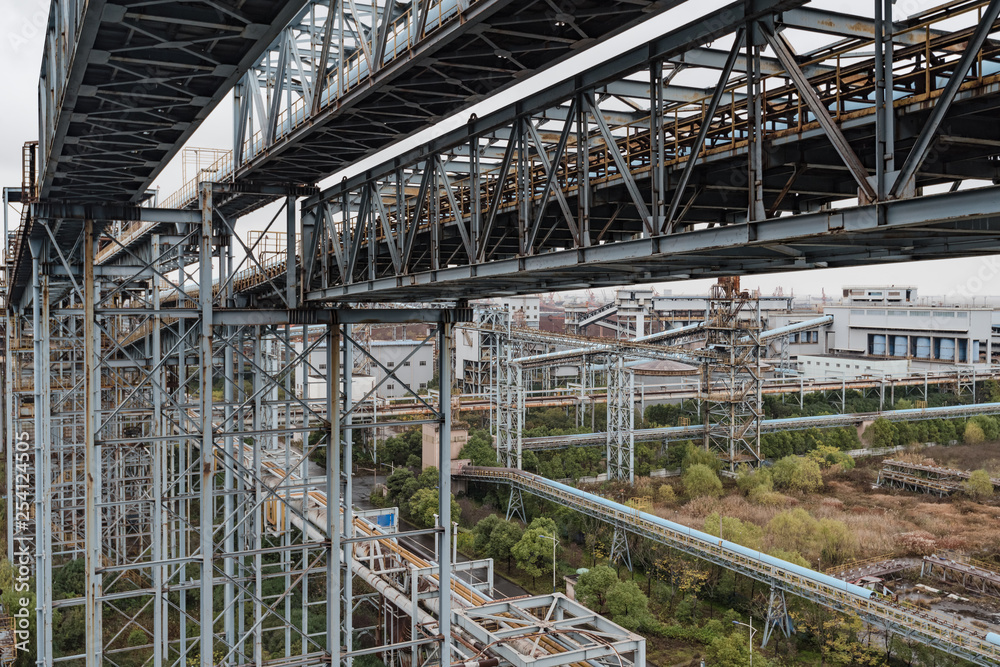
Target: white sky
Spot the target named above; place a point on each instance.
(20, 56)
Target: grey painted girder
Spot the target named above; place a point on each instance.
(843, 237)
(144, 78)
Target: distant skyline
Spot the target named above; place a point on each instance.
(20, 55)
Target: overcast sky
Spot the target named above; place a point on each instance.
(20, 56)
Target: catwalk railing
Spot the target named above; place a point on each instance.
(943, 632)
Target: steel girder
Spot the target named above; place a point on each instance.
(500, 206)
(123, 86)
(346, 79)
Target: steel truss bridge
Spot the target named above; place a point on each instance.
(822, 140)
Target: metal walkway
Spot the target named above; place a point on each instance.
(123, 86)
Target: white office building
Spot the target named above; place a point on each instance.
(410, 362)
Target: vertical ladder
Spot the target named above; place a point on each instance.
(29, 154)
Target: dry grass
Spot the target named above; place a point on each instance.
(883, 521)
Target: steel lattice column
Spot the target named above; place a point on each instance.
(731, 403)
(621, 422)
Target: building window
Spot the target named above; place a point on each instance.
(423, 362)
(390, 386)
(406, 363)
(391, 364)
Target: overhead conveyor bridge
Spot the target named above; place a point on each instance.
(943, 632)
(694, 431)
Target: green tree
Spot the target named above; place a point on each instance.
(978, 486)
(797, 473)
(483, 531)
(502, 541)
(730, 651)
(424, 505)
(398, 481)
(990, 426)
(881, 433)
(628, 605)
(593, 585)
(992, 391)
(479, 449)
(533, 552)
(700, 480)
(397, 449)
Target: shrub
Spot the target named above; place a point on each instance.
(694, 455)
(793, 530)
(973, 434)
(830, 456)
(978, 486)
(700, 480)
(665, 494)
(732, 529)
(797, 473)
(751, 480)
(837, 543)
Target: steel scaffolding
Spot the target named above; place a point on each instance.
(171, 451)
(621, 421)
(731, 403)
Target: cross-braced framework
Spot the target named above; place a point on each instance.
(156, 408)
(622, 172)
(732, 401)
(621, 421)
(510, 418)
(172, 451)
(551, 630)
